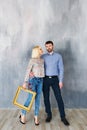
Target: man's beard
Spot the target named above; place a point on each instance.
(50, 50)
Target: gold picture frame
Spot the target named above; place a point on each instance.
(15, 100)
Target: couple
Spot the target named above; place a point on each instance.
(45, 71)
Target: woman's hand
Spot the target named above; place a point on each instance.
(24, 85)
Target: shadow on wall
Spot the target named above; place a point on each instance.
(73, 97)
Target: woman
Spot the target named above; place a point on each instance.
(35, 67)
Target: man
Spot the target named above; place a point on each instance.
(54, 72)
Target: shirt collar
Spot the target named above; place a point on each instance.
(51, 53)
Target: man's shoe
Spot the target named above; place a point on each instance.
(64, 120)
(48, 119)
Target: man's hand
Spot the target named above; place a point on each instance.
(60, 85)
(31, 74)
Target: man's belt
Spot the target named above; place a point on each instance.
(55, 76)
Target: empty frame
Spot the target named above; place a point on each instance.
(22, 96)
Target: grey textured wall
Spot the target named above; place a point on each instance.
(25, 23)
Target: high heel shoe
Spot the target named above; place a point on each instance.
(21, 121)
(19, 116)
(35, 122)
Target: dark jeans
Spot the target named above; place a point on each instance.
(54, 83)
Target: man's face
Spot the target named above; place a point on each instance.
(49, 47)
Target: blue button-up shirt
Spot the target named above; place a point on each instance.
(54, 65)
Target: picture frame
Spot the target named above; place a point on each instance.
(30, 93)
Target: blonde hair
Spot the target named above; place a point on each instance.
(35, 52)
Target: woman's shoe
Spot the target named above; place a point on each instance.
(36, 121)
(19, 116)
(22, 122)
(22, 119)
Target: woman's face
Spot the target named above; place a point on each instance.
(40, 51)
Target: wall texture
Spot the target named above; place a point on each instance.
(25, 23)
